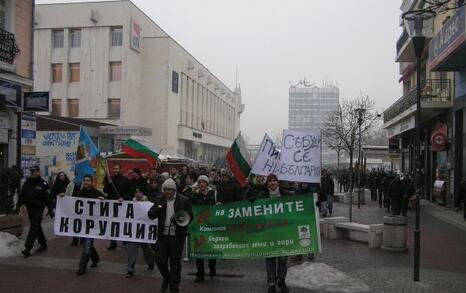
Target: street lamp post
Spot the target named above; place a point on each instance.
(360, 112)
(419, 24)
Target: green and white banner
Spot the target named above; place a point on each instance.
(265, 228)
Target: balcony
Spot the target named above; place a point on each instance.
(8, 48)
(436, 93)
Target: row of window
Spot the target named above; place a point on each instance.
(58, 37)
(114, 106)
(74, 72)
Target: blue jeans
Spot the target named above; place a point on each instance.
(89, 252)
(133, 249)
(330, 203)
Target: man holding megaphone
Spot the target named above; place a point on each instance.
(174, 213)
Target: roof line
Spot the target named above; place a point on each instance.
(153, 21)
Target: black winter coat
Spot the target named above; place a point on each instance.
(228, 192)
(89, 193)
(159, 211)
(121, 183)
(199, 199)
(35, 193)
(397, 189)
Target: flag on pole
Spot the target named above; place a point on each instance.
(137, 147)
(239, 161)
(86, 156)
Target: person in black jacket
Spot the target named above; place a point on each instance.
(228, 190)
(397, 192)
(204, 195)
(59, 186)
(89, 251)
(276, 266)
(35, 195)
(116, 187)
(462, 198)
(327, 191)
(138, 182)
(170, 237)
(153, 190)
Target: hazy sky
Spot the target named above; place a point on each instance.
(273, 42)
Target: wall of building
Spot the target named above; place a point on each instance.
(145, 88)
(23, 35)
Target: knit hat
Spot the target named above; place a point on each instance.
(164, 176)
(271, 177)
(169, 184)
(203, 178)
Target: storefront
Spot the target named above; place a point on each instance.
(448, 54)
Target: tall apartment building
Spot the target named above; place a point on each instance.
(15, 71)
(309, 107)
(109, 61)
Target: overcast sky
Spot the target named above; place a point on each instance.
(273, 42)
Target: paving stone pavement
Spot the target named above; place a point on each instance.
(443, 264)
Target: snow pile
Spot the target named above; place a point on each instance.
(319, 276)
(10, 245)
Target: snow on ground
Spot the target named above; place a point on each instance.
(319, 276)
(10, 245)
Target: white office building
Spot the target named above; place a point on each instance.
(309, 107)
(109, 61)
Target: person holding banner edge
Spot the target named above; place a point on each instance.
(89, 251)
(115, 187)
(204, 195)
(276, 266)
(171, 237)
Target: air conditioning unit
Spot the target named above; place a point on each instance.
(94, 16)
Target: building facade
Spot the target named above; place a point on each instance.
(16, 45)
(309, 108)
(108, 61)
(437, 92)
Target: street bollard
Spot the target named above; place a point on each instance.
(394, 233)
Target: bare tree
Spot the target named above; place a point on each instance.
(337, 146)
(342, 126)
(376, 136)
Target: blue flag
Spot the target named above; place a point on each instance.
(86, 156)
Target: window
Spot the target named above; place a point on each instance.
(115, 71)
(117, 37)
(2, 14)
(57, 73)
(73, 107)
(57, 39)
(56, 107)
(175, 77)
(76, 38)
(114, 108)
(74, 72)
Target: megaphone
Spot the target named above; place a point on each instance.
(181, 218)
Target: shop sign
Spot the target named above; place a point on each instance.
(438, 137)
(449, 38)
(126, 130)
(135, 41)
(36, 102)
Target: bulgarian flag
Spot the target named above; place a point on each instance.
(239, 161)
(137, 147)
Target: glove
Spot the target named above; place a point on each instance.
(252, 199)
(51, 214)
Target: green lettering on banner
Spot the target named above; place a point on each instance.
(265, 228)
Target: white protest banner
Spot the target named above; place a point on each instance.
(300, 156)
(105, 219)
(267, 159)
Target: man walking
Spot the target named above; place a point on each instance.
(117, 188)
(35, 195)
(89, 251)
(171, 237)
